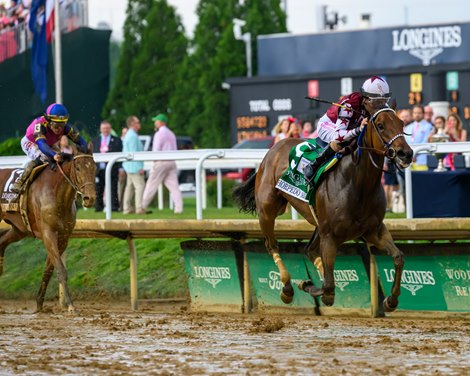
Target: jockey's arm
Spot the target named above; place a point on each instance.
(40, 140)
(74, 135)
(44, 147)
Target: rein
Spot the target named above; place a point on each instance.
(388, 150)
(73, 179)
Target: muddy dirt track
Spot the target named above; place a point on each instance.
(109, 339)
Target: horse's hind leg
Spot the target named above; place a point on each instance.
(46, 277)
(267, 216)
(11, 236)
(383, 240)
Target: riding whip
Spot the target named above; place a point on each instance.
(333, 103)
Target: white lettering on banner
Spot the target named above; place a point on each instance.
(342, 277)
(412, 280)
(462, 290)
(426, 42)
(458, 274)
(260, 105)
(212, 274)
(282, 104)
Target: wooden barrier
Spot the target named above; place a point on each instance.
(450, 229)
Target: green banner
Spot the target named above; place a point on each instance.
(454, 272)
(266, 281)
(351, 282)
(421, 283)
(213, 279)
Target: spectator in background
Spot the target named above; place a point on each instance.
(439, 125)
(307, 129)
(122, 177)
(107, 143)
(163, 171)
(456, 133)
(405, 116)
(284, 129)
(65, 146)
(428, 114)
(135, 183)
(418, 133)
(390, 183)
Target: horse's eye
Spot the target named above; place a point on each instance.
(381, 127)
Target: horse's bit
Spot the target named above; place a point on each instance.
(73, 171)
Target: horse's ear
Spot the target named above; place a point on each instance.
(393, 103)
(90, 147)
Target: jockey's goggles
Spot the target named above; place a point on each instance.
(57, 124)
(378, 102)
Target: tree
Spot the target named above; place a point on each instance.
(155, 67)
(199, 104)
(263, 17)
(154, 47)
(115, 109)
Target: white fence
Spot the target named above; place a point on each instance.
(216, 159)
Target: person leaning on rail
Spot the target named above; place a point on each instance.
(343, 123)
(41, 135)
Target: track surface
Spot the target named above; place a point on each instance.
(168, 340)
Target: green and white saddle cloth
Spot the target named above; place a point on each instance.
(292, 181)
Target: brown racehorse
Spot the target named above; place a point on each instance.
(350, 203)
(51, 213)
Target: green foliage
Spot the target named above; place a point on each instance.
(97, 267)
(154, 46)
(227, 188)
(12, 146)
(156, 73)
(216, 56)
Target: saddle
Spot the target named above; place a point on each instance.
(12, 202)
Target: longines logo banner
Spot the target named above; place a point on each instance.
(363, 49)
(425, 43)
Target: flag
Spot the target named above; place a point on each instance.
(49, 20)
(41, 24)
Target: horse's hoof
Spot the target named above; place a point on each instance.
(328, 300)
(286, 299)
(388, 306)
(304, 284)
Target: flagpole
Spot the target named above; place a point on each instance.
(57, 53)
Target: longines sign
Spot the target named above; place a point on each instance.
(425, 43)
(379, 48)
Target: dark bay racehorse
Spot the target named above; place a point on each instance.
(51, 213)
(350, 203)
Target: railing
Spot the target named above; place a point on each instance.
(217, 159)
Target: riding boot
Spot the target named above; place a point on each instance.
(311, 169)
(17, 186)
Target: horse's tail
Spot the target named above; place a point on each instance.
(244, 195)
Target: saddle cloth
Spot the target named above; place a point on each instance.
(10, 201)
(293, 181)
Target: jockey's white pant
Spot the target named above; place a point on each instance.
(31, 150)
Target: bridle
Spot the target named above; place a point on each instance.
(73, 179)
(388, 150)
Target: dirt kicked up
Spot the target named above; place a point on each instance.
(109, 339)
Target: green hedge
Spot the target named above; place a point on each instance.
(11, 147)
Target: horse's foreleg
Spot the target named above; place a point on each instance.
(383, 240)
(267, 227)
(46, 277)
(52, 245)
(11, 236)
(328, 255)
